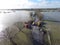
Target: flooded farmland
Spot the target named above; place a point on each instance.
(8, 20)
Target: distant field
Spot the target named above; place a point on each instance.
(54, 27)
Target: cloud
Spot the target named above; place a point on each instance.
(47, 4)
(18, 4)
(14, 4)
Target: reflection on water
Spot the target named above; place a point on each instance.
(1, 27)
(10, 18)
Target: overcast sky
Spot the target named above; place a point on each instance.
(18, 4)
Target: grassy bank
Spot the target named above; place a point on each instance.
(54, 28)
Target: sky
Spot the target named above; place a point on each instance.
(22, 4)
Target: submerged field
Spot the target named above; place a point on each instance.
(54, 27)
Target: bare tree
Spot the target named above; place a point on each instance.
(16, 35)
(10, 33)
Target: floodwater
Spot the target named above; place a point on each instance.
(22, 16)
(53, 16)
(9, 18)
